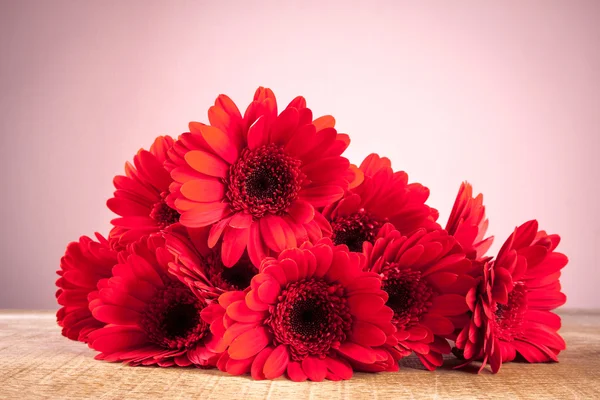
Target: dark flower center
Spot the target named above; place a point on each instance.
(172, 319)
(264, 180)
(355, 229)
(409, 295)
(163, 214)
(510, 316)
(180, 319)
(312, 317)
(237, 277)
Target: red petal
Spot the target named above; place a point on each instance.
(150, 166)
(228, 298)
(367, 334)
(269, 291)
(364, 305)
(373, 163)
(299, 103)
(326, 169)
(204, 214)
(257, 250)
(339, 367)
(277, 362)
(203, 190)
(249, 343)
(116, 315)
(322, 196)
(364, 284)
(272, 232)
(442, 279)
(238, 367)
(301, 141)
(222, 144)
(545, 299)
(284, 126)
(216, 231)
(326, 121)
(235, 330)
(438, 324)
(257, 134)
(239, 311)
(449, 304)
(357, 352)
(234, 244)
(241, 220)
(314, 368)
(254, 302)
(125, 207)
(295, 372)
(207, 163)
(212, 312)
(256, 371)
(544, 317)
(113, 339)
(324, 257)
(302, 212)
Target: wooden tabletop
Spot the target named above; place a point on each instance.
(36, 362)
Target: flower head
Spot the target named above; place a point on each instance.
(84, 264)
(255, 180)
(426, 278)
(311, 313)
(383, 197)
(151, 317)
(140, 195)
(468, 223)
(511, 306)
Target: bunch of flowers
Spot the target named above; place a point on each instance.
(251, 245)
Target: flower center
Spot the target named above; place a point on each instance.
(312, 317)
(163, 214)
(509, 316)
(355, 229)
(264, 180)
(172, 319)
(409, 295)
(237, 277)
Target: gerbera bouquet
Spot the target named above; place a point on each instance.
(251, 245)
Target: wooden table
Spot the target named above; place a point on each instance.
(36, 362)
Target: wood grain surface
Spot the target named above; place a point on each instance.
(36, 362)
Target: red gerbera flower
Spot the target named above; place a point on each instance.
(152, 317)
(84, 264)
(468, 224)
(384, 196)
(312, 313)
(201, 268)
(140, 195)
(511, 307)
(256, 180)
(426, 278)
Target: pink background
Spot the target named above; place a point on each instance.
(503, 94)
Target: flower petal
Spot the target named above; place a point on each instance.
(207, 163)
(322, 196)
(277, 362)
(249, 343)
(314, 368)
(295, 372)
(222, 144)
(234, 244)
(357, 352)
(203, 190)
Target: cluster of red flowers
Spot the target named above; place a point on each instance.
(250, 244)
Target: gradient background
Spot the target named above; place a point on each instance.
(503, 94)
